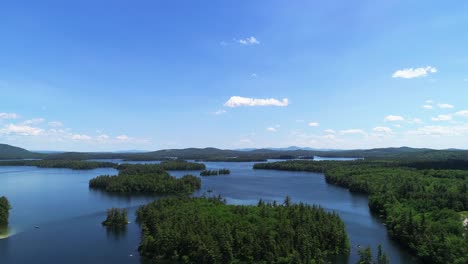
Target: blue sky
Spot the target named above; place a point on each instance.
(119, 75)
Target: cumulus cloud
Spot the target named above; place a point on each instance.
(219, 112)
(427, 106)
(271, 129)
(381, 129)
(314, 124)
(34, 121)
(80, 137)
(8, 116)
(249, 41)
(463, 113)
(55, 124)
(237, 101)
(22, 130)
(352, 131)
(442, 118)
(445, 131)
(123, 138)
(410, 73)
(394, 118)
(445, 106)
(329, 131)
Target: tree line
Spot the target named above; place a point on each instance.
(68, 164)
(420, 202)
(207, 230)
(145, 178)
(4, 211)
(215, 172)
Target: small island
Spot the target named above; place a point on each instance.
(215, 172)
(207, 230)
(145, 178)
(116, 218)
(4, 211)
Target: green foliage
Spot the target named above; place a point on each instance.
(4, 211)
(69, 164)
(214, 172)
(365, 256)
(116, 217)
(419, 205)
(206, 230)
(147, 178)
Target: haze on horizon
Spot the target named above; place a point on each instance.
(122, 75)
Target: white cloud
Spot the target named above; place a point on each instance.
(414, 72)
(330, 131)
(22, 130)
(8, 116)
(122, 138)
(249, 41)
(445, 131)
(445, 106)
(427, 106)
(236, 101)
(55, 124)
(463, 113)
(254, 75)
(442, 118)
(220, 112)
(103, 137)
(394, 118)
(34, 121)
(80, 137)
(382, 130)
(314, 124)
(352, 131)
(271, 129)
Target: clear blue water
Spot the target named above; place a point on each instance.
(68, 214)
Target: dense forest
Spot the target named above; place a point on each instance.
(207, 230)
(215, 172)
(145, 178)
(420, 202)
(68, 164)
(365, 256)
(116, 218)
(4, 211)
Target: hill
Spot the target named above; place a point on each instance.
(11, 152)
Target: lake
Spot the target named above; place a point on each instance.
(68, 214)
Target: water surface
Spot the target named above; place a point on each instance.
(68, 214)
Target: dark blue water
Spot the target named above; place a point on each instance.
(69, 214)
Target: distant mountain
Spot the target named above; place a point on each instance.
(291, 148)
(11, 152)
(401, 153)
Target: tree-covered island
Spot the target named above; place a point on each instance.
(116, 218)
(4, 211)
(215, 172)
(207, 230)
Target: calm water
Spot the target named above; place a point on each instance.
(68, 214)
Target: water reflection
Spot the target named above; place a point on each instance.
(116, 232)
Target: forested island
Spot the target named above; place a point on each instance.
(145, 178)
(67, 164)
(215, 172)
(420, 202)
(4, 211)
(116, 218)
(207, 230)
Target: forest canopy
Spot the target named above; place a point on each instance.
(4, 211)
(207, 230)
(419, 201)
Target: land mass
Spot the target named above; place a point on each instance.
(214, 154)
